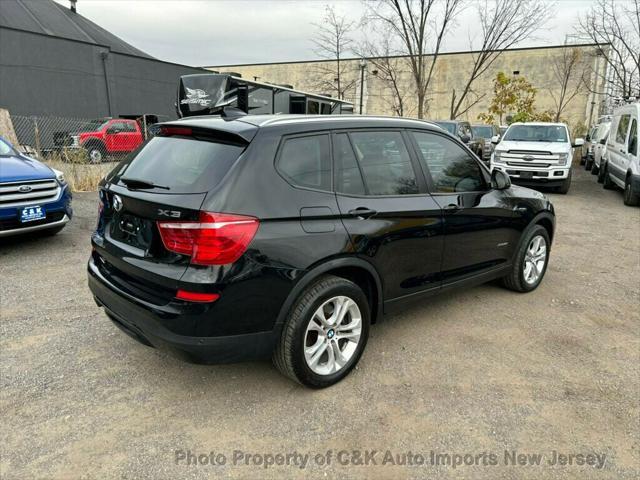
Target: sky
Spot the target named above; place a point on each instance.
(226, 32)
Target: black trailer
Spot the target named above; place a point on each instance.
(210, 93)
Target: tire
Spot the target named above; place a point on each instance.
(594, 168)
(96, 154)
(631, 199)
(588, 162)
(607, 184)
(516, 280)
(304, 329)
(566, 185)
(601, 172)
(582, 160)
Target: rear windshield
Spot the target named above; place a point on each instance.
(181, 165)
(483, 132)
(448, 126)
(536, 133)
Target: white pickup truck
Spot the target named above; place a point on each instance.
(536, 154)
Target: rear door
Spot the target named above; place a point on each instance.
(617, 148)
(479, 223)
(391, 220)
(165, 181)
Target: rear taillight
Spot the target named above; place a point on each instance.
(216, 239)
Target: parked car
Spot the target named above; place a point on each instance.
(112, 137)
(463, 131)
(600, 146)
(621, 168)
(225, 239)
(33, 197)
(486, 132)
(536, 154)
(588, 146)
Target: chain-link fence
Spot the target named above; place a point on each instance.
(97, 139)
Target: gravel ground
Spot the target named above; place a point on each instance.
(478, 371)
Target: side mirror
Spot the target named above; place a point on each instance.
(465, 138)
(578, 142)
(495, 139)
(588, 138)
(603, 141)
(500, 180)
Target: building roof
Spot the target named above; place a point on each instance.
(50, 18)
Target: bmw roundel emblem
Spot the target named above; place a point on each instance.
(117, 203)
(331, 333)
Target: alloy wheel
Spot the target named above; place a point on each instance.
(535, 259)
(332, 335)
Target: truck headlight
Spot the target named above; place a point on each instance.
(562, 159)
(59, 176)
(496, 157)
(75, 140)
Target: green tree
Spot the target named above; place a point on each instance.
(516, 96)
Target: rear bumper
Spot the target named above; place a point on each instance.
(148, 324)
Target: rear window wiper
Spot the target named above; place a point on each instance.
(138, 184)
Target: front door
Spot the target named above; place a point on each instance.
(479, 222)
(392, 222)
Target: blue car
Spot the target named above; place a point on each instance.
(32, 196)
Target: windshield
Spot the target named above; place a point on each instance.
(180, 165)
(5, 149)
(603, 131)
(536, 133)
(483, 132)
(448, 126)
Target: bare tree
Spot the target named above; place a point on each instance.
(615, 28)
(388, 68)
(419, 27)
(333, 41)
(569, 74)
(504, 23)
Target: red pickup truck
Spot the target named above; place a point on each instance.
(115, 136)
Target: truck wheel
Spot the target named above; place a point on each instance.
(631, 198)
(325, 333)
(530, 261)
(601, 172)
(594, 168)
(566, 184)
(96, 154)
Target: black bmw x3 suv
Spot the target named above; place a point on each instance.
(225, 239)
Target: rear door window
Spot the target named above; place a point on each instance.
(385, 163)
(181, 165)
(305, 161)
(632, 148)
(348, 175)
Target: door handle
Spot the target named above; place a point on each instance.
(622, 151)
(362, 212)
(452, 207)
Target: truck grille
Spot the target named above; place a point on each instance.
(16, 194)
(530, 158)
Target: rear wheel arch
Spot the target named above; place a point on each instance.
(359, 271)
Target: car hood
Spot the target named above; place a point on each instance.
(18, 168)
(553, 147)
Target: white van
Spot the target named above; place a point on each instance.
(621, 167)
